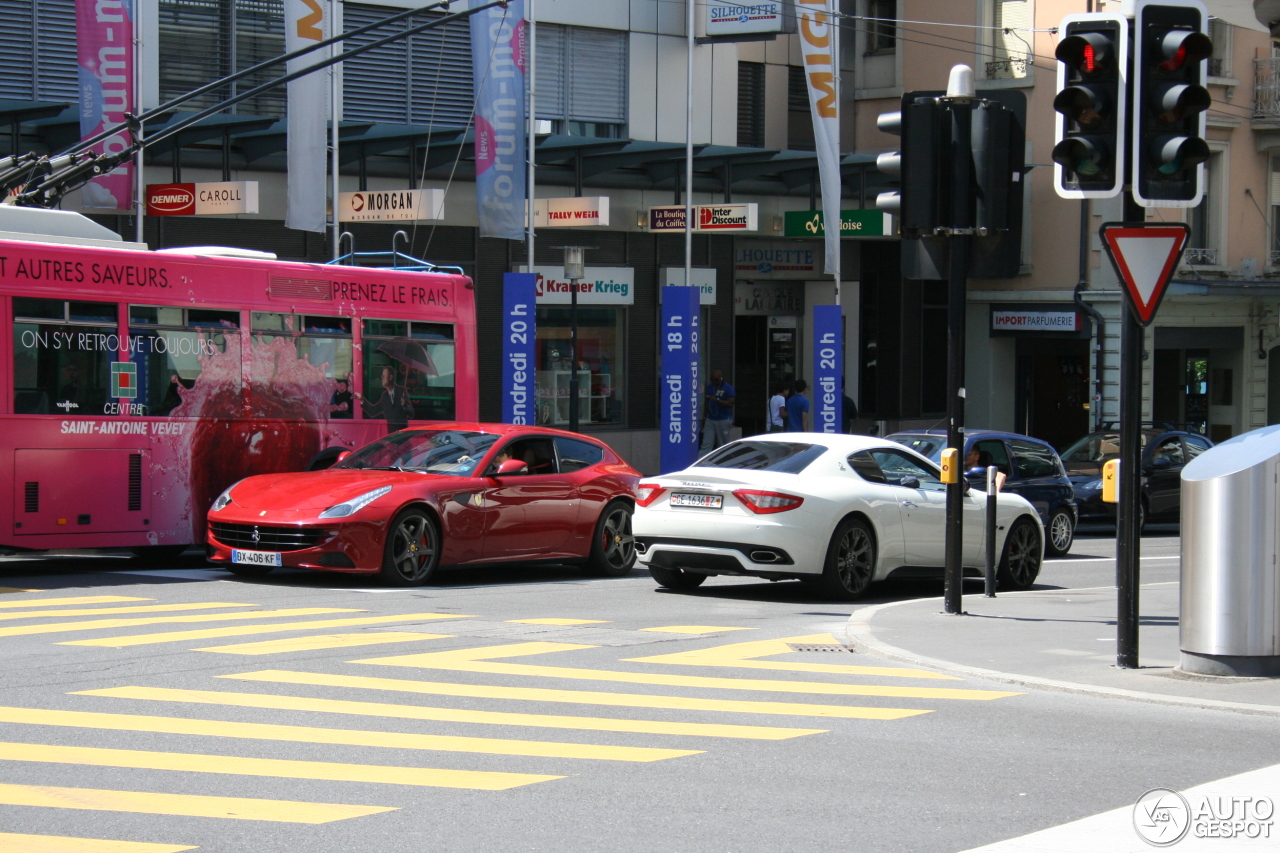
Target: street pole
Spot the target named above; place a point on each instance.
(688, 145)
(573, 355)
(334, 153)
(532, 62)
(1128, 536)
(960, 95)
(139, 170)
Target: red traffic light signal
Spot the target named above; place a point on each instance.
(1091, 102)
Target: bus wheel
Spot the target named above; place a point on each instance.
(154, 554)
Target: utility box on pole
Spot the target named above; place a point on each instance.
(1229, 621)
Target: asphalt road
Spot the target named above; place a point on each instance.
(531, 708)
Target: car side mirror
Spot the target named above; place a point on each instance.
(512, 466)
(1161, 463)
(343, 455)
(909, 482)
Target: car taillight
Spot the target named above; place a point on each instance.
(647, 493)
(766, 502)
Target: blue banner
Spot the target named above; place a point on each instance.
(498, 53)
(678, 385)
(828, 369)
(519, 322)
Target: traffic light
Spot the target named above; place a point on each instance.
(1170, 49)
(999, 145)
(923, 201)
(1088, 151)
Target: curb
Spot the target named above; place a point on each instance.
(862, 638)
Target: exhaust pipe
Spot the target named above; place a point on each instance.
(764, 557)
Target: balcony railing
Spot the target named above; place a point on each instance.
(1004, 69)
(1266, 88)
(1200, 257)
(1216, 64)
(1275, 257)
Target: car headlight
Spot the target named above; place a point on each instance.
(354, 505)
(224, 500)
(1092, 484)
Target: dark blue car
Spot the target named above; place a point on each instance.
(1031, 467)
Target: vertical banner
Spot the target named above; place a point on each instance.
(828, 369)
(519, 319)
(498, 62)
(305, 23)
(818, 45)
(105, 69)
(678, 388)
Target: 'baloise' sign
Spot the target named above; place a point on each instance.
(202, 199)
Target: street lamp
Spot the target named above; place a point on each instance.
(575, 270)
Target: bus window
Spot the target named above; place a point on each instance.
(304, 362)
(62, 356)
(413, 360)
(187, 361)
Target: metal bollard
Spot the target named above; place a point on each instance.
(990, 591)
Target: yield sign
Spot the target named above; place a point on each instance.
(1144, 256)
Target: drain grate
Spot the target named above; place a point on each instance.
(821, 647)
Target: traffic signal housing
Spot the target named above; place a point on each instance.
(1088, 151)
(1169, 150)
(922, 163)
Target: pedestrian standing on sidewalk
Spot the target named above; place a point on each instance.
(798, 408)
(778, 408)
(720, 398)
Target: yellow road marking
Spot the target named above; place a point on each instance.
(320, 641)
(577, 697)
(475, 780)
(739, 656)
(693, 629)
(243, 630)
(451, 715)
(147, 608)
(346, 737)
(186, 805)
(476, 660)
(100, 624)
(553, 621)
(13, 842)
(66, 602)
(4, 590)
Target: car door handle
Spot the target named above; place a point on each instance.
(910, 503)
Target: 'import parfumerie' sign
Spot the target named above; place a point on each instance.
(1035, 321)
(391, 205)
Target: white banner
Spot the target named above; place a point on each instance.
(391, 205)
(305, 23)
(570, 212)
(602, 286)
(703, 278)
(818, 45)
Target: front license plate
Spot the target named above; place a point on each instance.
(699, 501)
(256, 558)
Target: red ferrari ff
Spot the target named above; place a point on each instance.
(447, 494)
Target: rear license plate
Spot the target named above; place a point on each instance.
(698, 501)
(256, 558)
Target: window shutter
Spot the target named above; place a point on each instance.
(55, 50)
(751, 104)
(597, 61)
(259, 37)
(194, 46)
(374, 83)
(441, 89)
(16, 67)
(550, 72)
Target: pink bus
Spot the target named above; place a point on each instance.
(135, 386)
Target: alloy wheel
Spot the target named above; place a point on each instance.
(413, 547)
(1024, 555)
(1060, 532)
(854, 558)
(616, 542)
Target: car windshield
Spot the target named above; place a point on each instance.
(926, 445)
(452, 452)
(783, 457)
(1098, 447)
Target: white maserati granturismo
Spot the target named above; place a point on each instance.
(837, 511)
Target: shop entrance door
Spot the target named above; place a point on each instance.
(767, 352)
(1052, 389)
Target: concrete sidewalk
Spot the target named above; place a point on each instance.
(1057, 639)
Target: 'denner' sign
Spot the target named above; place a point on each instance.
(202, 199)
(1035, 321)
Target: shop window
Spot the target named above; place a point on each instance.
(187, 361)
(599, 362)
(408, 370)
(299, 365)
(62, 356)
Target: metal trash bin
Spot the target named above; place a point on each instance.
(1230, 593)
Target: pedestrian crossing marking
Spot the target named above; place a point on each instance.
(146, 608)
(430, 777)
(479, 660)
(101, 624)
(577, 697)
(559, 621)
(320, 641)
(182, 805)
(67, 602)
(343, 737)
(452, 715)
(5, 590)
(693, 629)
(13, 842)
(244, 630)
(741, 656)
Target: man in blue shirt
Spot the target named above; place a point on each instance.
(720, 397)
(798, 408)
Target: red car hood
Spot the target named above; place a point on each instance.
(319, 490)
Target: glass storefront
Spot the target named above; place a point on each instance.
(599, 362)
(408, 371)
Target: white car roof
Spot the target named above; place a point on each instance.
(835, 441)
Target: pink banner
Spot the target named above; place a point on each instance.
(104, 39)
